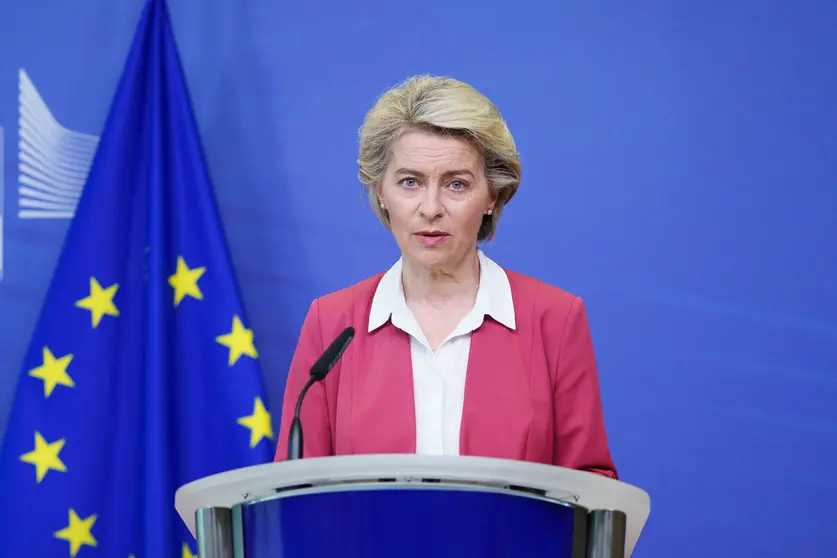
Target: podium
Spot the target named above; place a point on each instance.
(405, 506)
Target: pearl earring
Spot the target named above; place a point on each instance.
(489, 212)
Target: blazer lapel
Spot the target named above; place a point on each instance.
(383, 407)
(496, 411)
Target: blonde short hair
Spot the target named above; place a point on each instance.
(446, 106)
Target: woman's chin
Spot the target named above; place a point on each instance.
(434, 258)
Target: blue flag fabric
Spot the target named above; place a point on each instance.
(142, 374)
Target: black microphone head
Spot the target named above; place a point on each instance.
(332, 354)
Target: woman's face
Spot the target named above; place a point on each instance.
(436, 194)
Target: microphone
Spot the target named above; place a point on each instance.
(319, 371)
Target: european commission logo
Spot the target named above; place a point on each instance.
(53, 161)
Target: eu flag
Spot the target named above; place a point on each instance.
(142, 373)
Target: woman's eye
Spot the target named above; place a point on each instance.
(408, 182)
(457, 185)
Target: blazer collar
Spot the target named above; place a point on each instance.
(494, 295)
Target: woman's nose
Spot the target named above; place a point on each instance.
(431, 203)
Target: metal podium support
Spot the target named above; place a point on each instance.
(214, 533)
(606, 534)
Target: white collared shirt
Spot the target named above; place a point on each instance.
(439, 377)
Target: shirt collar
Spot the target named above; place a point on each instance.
(494, 295)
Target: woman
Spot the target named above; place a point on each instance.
(453, 355)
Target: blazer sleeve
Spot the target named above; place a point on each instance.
(314, 412)
(580, 437)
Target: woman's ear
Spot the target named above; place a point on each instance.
(379, 192)
(491, 204)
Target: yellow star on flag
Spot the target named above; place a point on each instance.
(258, 423)
(53, 372)
(185, 281)
(45, 457)
(99, 302)
(187, 553)
(239, 341)
(77, 533)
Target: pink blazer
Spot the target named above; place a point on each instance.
(531, 394)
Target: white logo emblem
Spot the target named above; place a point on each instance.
(54, 161)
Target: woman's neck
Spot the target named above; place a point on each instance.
(438, 286)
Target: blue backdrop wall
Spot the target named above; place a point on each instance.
(680, 173)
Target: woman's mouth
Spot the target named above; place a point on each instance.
(432, 237)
